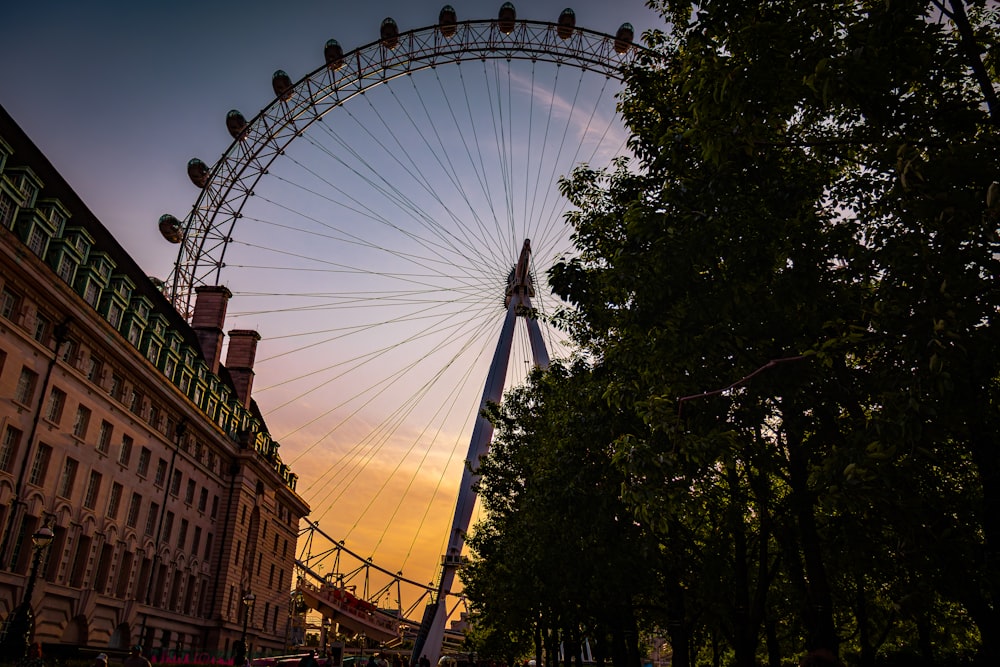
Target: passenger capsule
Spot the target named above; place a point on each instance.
(624, 37)
(170, 228)
(506, 18)
(448, 21)
(567, 21)
(389, 34)
(282, 84)
(236, 123)
(198, 172)
(334, 54)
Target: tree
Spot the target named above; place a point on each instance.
(557, 546)
(812, 230)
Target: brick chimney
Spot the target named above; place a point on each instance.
(239, 361)
(209, 316)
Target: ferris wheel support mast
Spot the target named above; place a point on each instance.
(520, 289)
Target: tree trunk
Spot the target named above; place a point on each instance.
(744, 635)
(861, 614)
(677, 627)
(818, 614)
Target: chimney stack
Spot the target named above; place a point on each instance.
(239, 361)
(209, 316)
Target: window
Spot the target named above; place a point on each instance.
(81, 421)
(29, 190)
(154, 510)
(57, 399)
(68, 478)
(168, 527)
(154, 416)
(25, 391)
(161, 472)
(125, 455)
(92, 293)
(132, 518)
(36, 241)
(93, 488)
(134, 333)
(196, 542)
(208, 546)
(66, 268)
(189, 494)
(104, 438)
(41, 332)
(69, 351)
(135, 401)
(168, 368)
(153, 353)
(94, 366)
(10, 304)
(143, 468)
(175, 483)
(40, 466)
(114, 500)
(11, 443)
(114, 315)
(6, 209)
(117, 386)
(203, 500)
(215, 506)
(182, 535)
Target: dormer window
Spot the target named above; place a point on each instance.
(7, 206)
(115, 315)
(29, 190)
(66, 268)
(133, 334)
(37, 241)
(92, 293)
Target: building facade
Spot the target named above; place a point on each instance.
(174, 519)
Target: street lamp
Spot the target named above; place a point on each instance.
(326, 635)
(21, 622)
(240, 649)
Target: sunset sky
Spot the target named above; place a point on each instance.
(120, 95)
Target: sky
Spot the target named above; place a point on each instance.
(120, 95)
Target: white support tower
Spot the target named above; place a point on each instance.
(518, 301)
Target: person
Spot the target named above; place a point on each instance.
(309, 660)
(33, 657)
(136, 658)
(101, 660)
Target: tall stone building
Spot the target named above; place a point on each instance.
(121, 430)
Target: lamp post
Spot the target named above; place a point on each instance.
(326, 635)
(240, 649)
(21, 622)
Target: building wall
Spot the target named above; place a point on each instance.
(168, 499)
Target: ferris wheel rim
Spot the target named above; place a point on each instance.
(280, 122)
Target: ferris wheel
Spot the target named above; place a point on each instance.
(368, 221)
